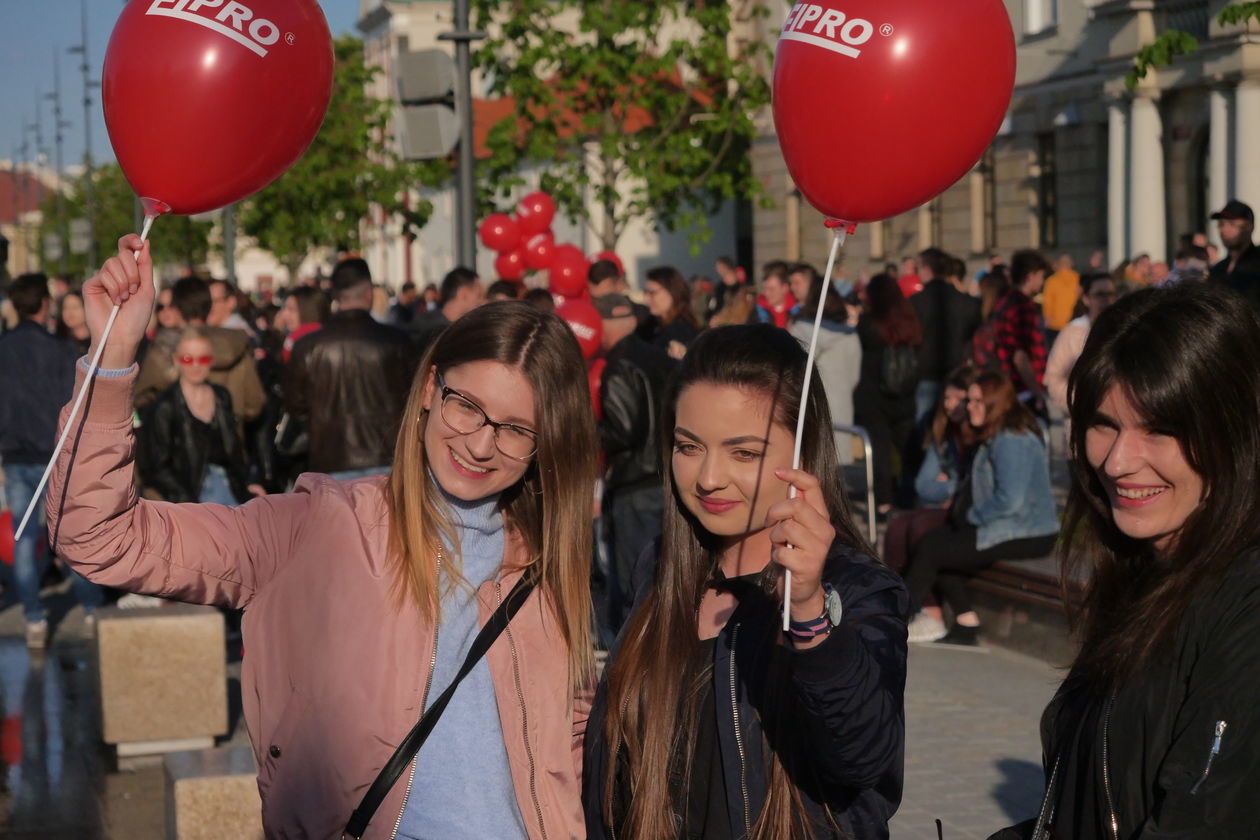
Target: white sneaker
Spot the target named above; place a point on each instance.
(133, 601)
(37, 634)
(89, 624)
(925, 627)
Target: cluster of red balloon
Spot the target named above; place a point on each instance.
(525, 243)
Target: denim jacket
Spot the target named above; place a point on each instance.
(937, 461)
(1010, 485)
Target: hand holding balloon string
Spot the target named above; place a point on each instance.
(124, 281)
(840, 231)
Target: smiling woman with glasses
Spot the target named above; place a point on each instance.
(366, 601)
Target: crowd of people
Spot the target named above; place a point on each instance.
(380, 483)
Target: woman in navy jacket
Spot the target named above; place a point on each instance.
(712, 721)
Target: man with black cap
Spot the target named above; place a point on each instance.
(1240, 270)
(631, 388)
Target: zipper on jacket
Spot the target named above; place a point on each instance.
(520, 698)
(1217, 734)
(1106, 753)
(739, 738)
(424, 698)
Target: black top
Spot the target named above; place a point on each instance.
(949, 318)
(1245, 278)
(211, 437)
(707, 816)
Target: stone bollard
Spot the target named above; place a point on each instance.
(212, 795)
(163, 678)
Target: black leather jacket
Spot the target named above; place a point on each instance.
(631, 388)
(170, 457)
(349, 382)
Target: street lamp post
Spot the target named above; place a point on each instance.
(89, 187)
(466, 239)
(59, 137)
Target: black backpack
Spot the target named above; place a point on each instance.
(899, 370)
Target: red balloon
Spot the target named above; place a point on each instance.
(585, 323)
(499, 232)
(535, 212)
(568, 271)
(612, 258)
(207, 105)
(510, 265)
(540, 250)
(854, 80)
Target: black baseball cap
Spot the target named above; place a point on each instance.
(613, 306)
(1235, 209)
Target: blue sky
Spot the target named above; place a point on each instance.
(34, 32)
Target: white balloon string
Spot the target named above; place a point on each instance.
(78, 401)
(840, 233)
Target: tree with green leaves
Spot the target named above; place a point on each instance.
(1174, 42)
(350, 166)
(645, 107)
(175, 241)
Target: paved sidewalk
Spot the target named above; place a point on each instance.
(973, 754)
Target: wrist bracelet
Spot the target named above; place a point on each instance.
(813, 628)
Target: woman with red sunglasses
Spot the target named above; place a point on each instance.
(188, 445)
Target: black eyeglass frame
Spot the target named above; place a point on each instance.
(447, 391)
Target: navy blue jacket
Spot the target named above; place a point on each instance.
(36, 380)
(845, 705)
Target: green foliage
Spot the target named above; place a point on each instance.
(350, 166)
(176, 240)
(620, 116)
(1174, 42)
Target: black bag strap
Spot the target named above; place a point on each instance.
(410, 745)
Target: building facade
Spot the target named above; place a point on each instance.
(1082, 163)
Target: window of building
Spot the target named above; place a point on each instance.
(1040, 16)
(1045, 177)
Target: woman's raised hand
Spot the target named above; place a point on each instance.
(801, 533)
(126, 279)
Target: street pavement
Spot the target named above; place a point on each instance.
(973, 755)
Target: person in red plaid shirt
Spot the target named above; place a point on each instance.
(1019, 334)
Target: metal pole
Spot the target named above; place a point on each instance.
(229, 242)
(89, 186)
(869, 462)
(59, 137)
(465, 240)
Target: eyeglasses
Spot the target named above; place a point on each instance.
(465, 417)
(187, 360)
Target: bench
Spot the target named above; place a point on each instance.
(1021, 606)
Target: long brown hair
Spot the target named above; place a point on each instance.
(942, 427)
(675, 285)
(893, 316)
(550, 507)
(1188, 359)
(1002, 409)
(654, 681)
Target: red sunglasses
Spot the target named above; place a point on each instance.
(196, 360)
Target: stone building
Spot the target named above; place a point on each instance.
(1081, 163)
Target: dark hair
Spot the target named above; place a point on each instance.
(407, 286)
(28, 293)
(892, 314)
(936, 260)
(312, 304)
(941, 427)
(350, 273)
(540, 299)
(671, 280)
(775, 268)
(1088, 281)
(957, 268)
(1002, 409)
(1188, 359)
(652, 709)
(726, 261)
(457, 278)
(1024, 263)
(804, 268)
(505, 289)
(1193, 252)
(602, 270)
(833, 305)
(993, 286)
(191, 298)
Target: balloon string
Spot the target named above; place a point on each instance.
(78, 401)
(839, 234)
